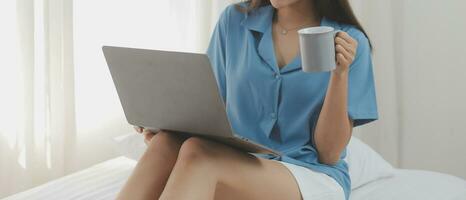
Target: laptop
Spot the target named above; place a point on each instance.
(173, 91)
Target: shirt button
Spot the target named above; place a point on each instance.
(277, 76)
(273, 115)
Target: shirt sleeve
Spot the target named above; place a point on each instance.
(217, 53)
(362, 105)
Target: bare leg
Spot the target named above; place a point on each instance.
(153, 169)
(209, 170)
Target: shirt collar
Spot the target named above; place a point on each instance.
(260, 20)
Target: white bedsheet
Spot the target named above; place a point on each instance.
(408, 184)
(103, 181)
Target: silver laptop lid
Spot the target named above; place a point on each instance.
(168, 90)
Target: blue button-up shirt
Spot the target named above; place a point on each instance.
(279, 107)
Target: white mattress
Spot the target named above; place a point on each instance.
(103, 181)
(413, 184)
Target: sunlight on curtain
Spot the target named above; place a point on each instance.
(33, 112)
(41, 113)
(99, 116)
(39, 139)
(96, 99)
(175, 25)
(9, 75)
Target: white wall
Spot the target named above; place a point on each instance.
(421, 80)
(433, 75)
(377, 19)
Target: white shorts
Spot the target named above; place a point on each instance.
(315, 185)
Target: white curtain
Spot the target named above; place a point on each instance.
(58, 107)
(36, 87)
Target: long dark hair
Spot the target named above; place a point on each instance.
(337, 10)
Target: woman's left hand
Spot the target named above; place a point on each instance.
(345, 51)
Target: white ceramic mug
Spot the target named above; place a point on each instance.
(317, 48)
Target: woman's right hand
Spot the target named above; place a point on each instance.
(147, 133)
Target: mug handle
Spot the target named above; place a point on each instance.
(335, 32)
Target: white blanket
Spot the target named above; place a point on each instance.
(103, 181)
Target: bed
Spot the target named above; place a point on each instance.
(104, 180)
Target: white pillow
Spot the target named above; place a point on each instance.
(130, 145)
(365, 165)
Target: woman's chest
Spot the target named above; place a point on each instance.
(286, 46)
(251, 70)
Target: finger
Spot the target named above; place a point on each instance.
(341, 59)
(138, 129)
(157, 130)
(148, 136)
(144, 131)
(345, 36)
(342, 50)
(344, 43)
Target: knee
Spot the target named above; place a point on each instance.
(164, 143)
(194, 150)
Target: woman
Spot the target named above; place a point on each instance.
(307, 116)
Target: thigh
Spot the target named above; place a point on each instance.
(153, 169)
(245, 176)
